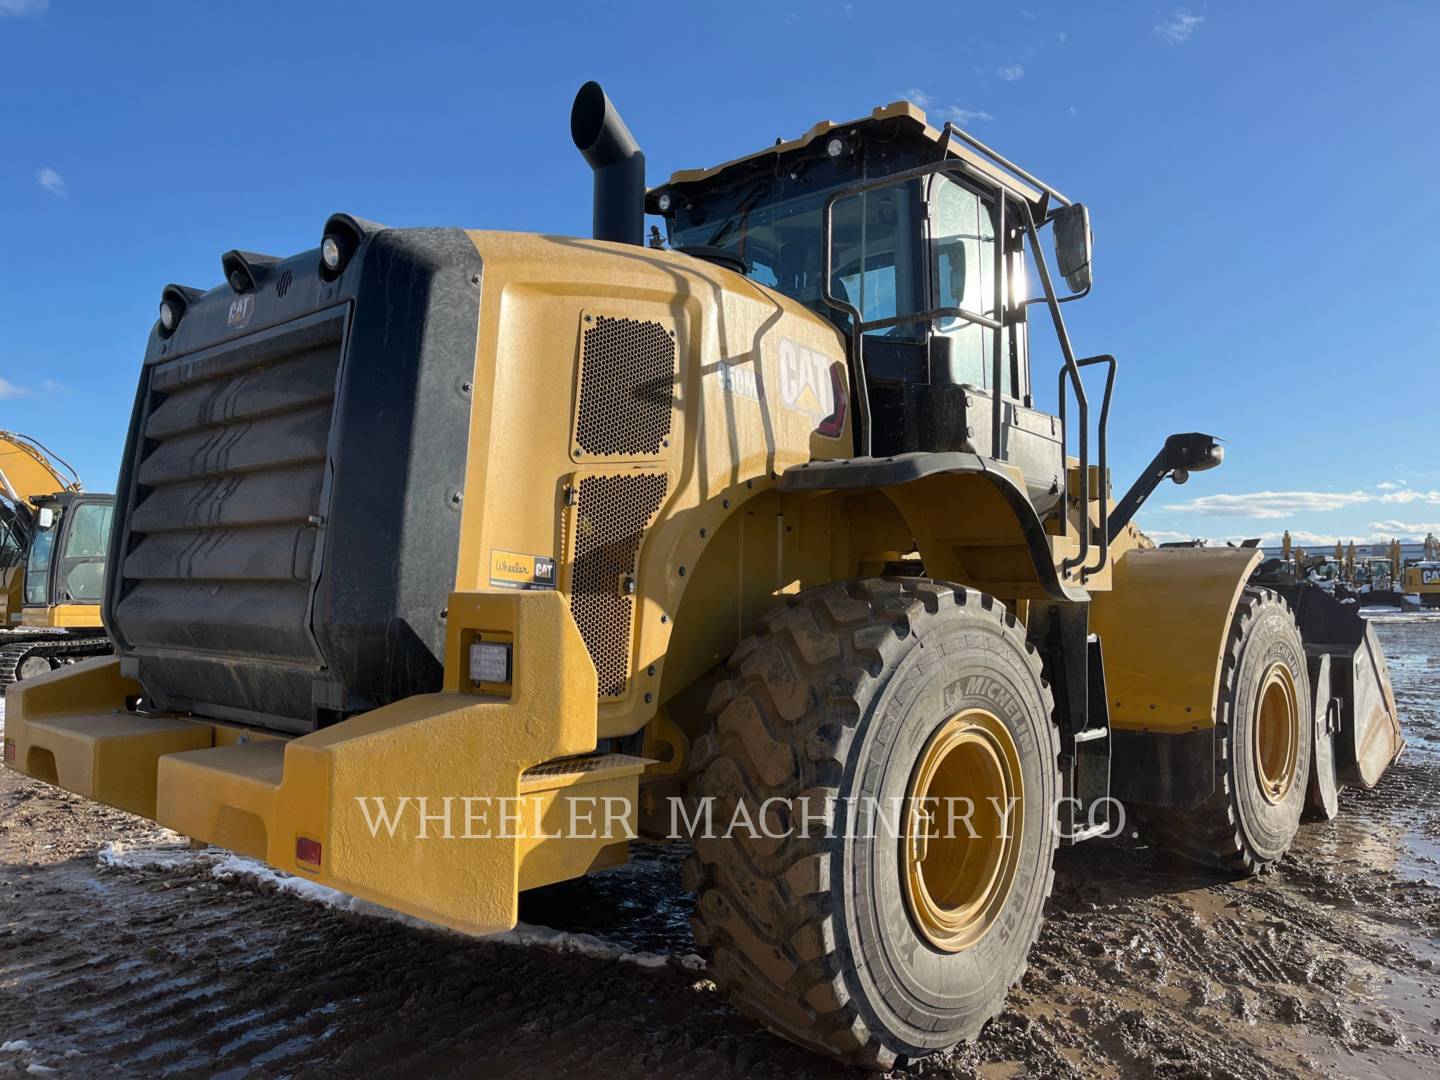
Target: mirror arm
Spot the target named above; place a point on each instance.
(1061, 299)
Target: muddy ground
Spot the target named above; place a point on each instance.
(122, 953)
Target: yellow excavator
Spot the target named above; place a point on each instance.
(53, 540)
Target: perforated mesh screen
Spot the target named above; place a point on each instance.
(627, 385)
(611, 516)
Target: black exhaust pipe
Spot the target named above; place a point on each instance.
(607, 145)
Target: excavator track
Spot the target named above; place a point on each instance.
(20, 660)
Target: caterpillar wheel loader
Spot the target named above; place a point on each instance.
(761, 528)
(53, 539)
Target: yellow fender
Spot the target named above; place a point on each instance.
(1162, 631)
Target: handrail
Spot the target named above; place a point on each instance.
(1101, 448)
(951, 131)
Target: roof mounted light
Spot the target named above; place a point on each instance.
(835, 147)
(339, 241)
(243, 269)
(174, 300)
(664, 202)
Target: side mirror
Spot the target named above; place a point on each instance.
(45, 517)
(1074, 245)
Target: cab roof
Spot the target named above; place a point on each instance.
(908, 116)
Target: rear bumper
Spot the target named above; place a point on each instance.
(431, 805)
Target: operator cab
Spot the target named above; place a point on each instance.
(68, 545)
(913, 242)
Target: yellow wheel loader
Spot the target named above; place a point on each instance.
(53, 539)
(447, 563)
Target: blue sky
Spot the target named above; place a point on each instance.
(1259, 176)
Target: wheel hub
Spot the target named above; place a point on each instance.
(32, 666)
(959, 871)
(1277, 734)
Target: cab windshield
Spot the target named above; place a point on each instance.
(81, 572)
(898, 250)
(774, 226)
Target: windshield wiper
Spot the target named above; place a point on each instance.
(761, 188)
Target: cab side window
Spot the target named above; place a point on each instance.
(962, 239)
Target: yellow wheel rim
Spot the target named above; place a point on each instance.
(1277, 733)
(958, 874)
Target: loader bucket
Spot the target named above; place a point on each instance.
(1369, 738)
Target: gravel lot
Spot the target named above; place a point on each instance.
(125, 953)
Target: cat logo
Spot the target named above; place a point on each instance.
(814, 385)
(241, 308)
(1430, 577)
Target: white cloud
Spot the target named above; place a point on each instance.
(1386, 485)
(935, 106)
(1179, 26)
(1064, 37)
(1408, 496)
(21, 8)
(966, 116)
(56, 387)
(1030, 16)
(1011, 73)
(9, 390)
(49, 179)
(1167, 536)
(1270, 504)
(1413, 529)
(1279, 504)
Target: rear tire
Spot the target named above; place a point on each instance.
(1263, 742)
(845, 694)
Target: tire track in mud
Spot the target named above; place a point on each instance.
(1144, 967)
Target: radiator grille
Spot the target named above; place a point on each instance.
(611, 516)
(222, 534)
(627, 387)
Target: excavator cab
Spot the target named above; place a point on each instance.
(65, 568)
(54, 537)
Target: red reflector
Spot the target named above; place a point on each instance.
(9, 749)
(307, 850)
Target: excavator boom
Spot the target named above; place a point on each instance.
(28, 470)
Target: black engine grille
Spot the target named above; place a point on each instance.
(229, 496)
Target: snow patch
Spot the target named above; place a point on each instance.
(168, 851)
(14, 1046)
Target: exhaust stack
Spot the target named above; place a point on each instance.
(607, 145)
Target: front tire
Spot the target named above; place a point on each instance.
(1263, 742)
(857, 942)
